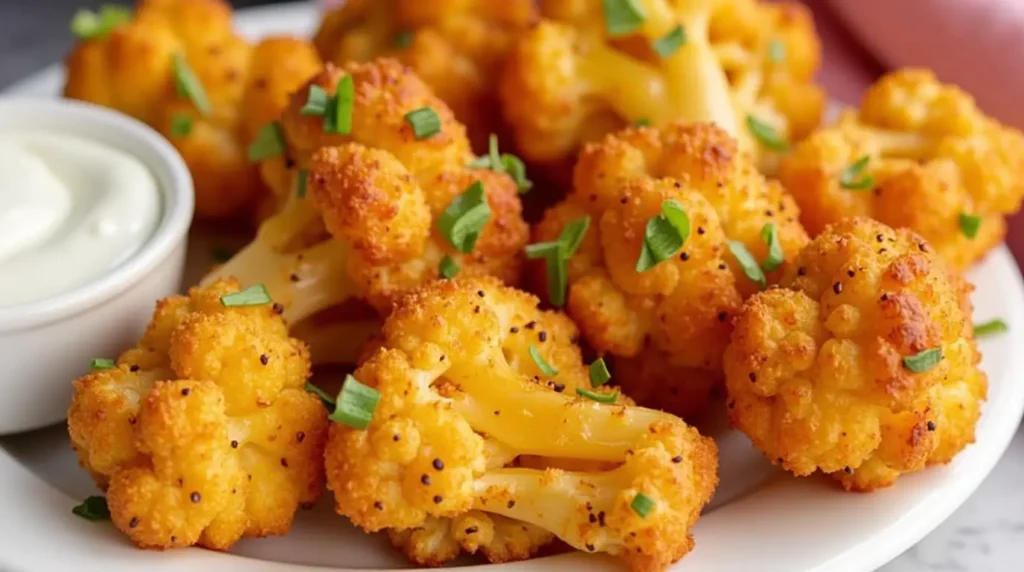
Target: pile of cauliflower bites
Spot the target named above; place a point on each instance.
(518, 384)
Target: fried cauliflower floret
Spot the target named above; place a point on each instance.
(666, 326)
(135, 69)
(368, 225)
(458, 47)
(570, 80)
(203, 433)
(446, 378)
(771, 53)
(830, 371)
(917, 154)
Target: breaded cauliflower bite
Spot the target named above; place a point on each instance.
(179, 66)
(583, 73)
(382, 209)
(862, 364)
(917, 154)
(446, 375)
(203, 433)
(667, 325)
(458, 47)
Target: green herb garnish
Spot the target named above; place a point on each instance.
(599, 374)
(269, 142)
(851, 177)
(355, 404)
(448, 267)
(766, 134)
(317, 102)
(969, 225)
(252, 296)
(775, 255)
(664, 235)
(464, 219)
(747, 262)
(93, 508)
(338, 118)
(302, 178)
(622, 17)
(545, 368)
(557, 254)
(598, 397)
(181, 125)
(642, 505)
(990, 327)
(503, 163)
(424, 122)
(89, 25)
(102, 363)
(776, 51)
(667, 45)
(326, 399)
(923, 361)
(187, 84)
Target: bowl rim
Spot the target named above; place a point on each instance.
(115, 129)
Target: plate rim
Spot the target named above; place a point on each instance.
(965, 474)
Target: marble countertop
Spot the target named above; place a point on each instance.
(985, 535)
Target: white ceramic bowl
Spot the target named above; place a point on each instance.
(46, 344)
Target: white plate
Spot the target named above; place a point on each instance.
(760, 519)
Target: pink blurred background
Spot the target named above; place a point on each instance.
(976, 44)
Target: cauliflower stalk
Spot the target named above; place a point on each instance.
(667, 324)
(444, 377)
(380, 209)
(203, 433)
(863, 364)
(179, 66)
(917, 154)
(458, 47)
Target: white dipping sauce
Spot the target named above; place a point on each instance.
(71, 209)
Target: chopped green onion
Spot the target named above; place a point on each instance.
(664, 235)
(355, 404)
(448, 267)
(317, 102)
(187, 84)
(598, 397)
(300, 183)
(642, 122)
(545, 367)
(851, 177)
(622, 17)
(403, 39)
(599, 374)
(775, 255)
(338, 117)
(776, 51)
(667, 45)
(923, 361)
(326, 399)
(252, 296)
(181, 125)
(558, 253)
(464, 219)
(221, 253)
(102, 363)
(969, 225)
(269, 142)
(748, 263)
(424, 122)
(89, 25)
(642, 505)
(990, 327)
(766, 134)
(93, 508)
(503, 163)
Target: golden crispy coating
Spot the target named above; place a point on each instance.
(929, 157)
(569, 81)
(203, 433)
(826, 373)
(367, 227)
(449, 370)
(458, 47)
(667, 326)
(133, 70)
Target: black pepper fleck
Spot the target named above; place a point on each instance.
(438, 464)
(471, 530)
(543, 336)
(438, 499)
(723, 316)
(476, 310)
(600, 518)
(425, 479)
(700, 230)
(300, 436)
(174, 539)
(531, 324)
(396, 437)
(293, 277)
(623, 200)
(185, 392)
(837, 287)
(284, 462)
(558, 387)
(801, 271)
(511, 504)
(851, 273)
(264, 359)
(133, 368)
(752, 376)
(277, 308)
(880, 237)
(848, 470)
(234, 444)
(194, 497)
(513, 330)
(378, 505)
(590, 547)
(593, 518)
(677, 459)
(684, 256)
(133, 522)
(721, 266)
(931, 426)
